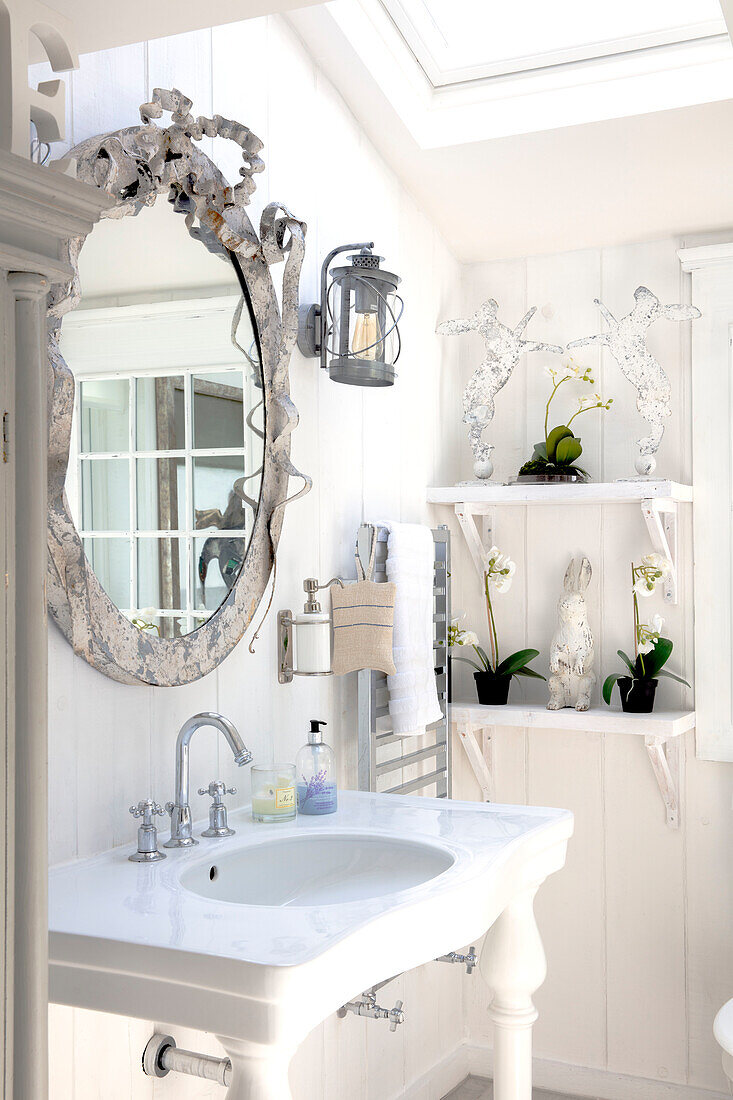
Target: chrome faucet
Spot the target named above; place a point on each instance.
(180, 810)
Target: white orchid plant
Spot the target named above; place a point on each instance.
(561, 447)
(651, 649)
(500, 570)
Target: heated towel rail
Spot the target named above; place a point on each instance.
(396, 765)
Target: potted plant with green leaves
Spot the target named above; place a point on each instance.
(637, 686)
(493, 676)
(555, 457)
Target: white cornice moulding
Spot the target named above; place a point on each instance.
(41, 209)
(706, 255)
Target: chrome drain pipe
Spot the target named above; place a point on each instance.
(161, 1057)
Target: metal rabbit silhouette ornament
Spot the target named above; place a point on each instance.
(626, 340)
(572, 651)
(504, 348)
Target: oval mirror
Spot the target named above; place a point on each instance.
(170, 415)
(166, 454)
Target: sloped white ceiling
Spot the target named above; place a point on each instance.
(599, 183)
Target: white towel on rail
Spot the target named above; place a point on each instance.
(413, 695)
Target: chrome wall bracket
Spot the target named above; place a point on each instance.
(286, 625)
(285, 670)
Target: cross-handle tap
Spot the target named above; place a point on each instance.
(218, 824)
(396, 1016)
(366, 1005)
(147, 833)
(180, 810)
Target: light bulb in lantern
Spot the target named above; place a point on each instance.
(367, 337)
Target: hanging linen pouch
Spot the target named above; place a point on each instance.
(363, 620)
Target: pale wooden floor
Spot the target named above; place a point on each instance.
(479, 1088)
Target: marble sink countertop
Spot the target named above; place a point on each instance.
(107, 897)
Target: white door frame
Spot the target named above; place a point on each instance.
(39, 211)
(711, 267)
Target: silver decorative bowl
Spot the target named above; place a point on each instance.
(542, 479)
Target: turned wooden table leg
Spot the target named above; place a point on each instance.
(513, 965)
(258, 1072)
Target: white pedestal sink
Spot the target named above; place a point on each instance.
(260, 936)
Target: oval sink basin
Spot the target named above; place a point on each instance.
(328, 869)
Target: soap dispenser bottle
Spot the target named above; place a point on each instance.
(315, 769)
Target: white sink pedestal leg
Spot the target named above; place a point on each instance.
(513, 965)
(258, 1072)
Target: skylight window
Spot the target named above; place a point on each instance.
(462, 71)
(460, 40)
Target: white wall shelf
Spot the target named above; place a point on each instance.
(659, 501)
(662, 723)
(661, 731)
(592, 492)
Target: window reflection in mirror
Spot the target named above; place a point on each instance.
(165, 466)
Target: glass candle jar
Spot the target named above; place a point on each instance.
(273, 792)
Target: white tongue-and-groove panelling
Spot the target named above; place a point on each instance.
(637, 926)
(371, 454)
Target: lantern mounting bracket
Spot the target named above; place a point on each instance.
(313, 319)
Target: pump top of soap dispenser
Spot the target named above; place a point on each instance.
(315, 735)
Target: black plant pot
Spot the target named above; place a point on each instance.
(492, 690)
(637, 696)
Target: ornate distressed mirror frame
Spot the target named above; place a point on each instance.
(134, 166)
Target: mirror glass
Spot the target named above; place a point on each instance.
(166, 455)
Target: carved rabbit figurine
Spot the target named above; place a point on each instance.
(571, 654)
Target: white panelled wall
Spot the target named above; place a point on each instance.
(637, 927)
(371, 453)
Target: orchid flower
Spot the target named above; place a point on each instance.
(498, 575)
(648, 634)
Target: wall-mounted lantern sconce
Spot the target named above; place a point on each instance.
(354, 328)
(304, 642)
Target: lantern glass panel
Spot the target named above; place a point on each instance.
(364, 343)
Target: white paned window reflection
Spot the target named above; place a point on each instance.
(161, 472)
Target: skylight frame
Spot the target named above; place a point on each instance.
(365, 54)
(440, 78)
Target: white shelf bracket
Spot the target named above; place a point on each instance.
(479, 756)
(661, 521)
(666, 760)
(478, 541)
